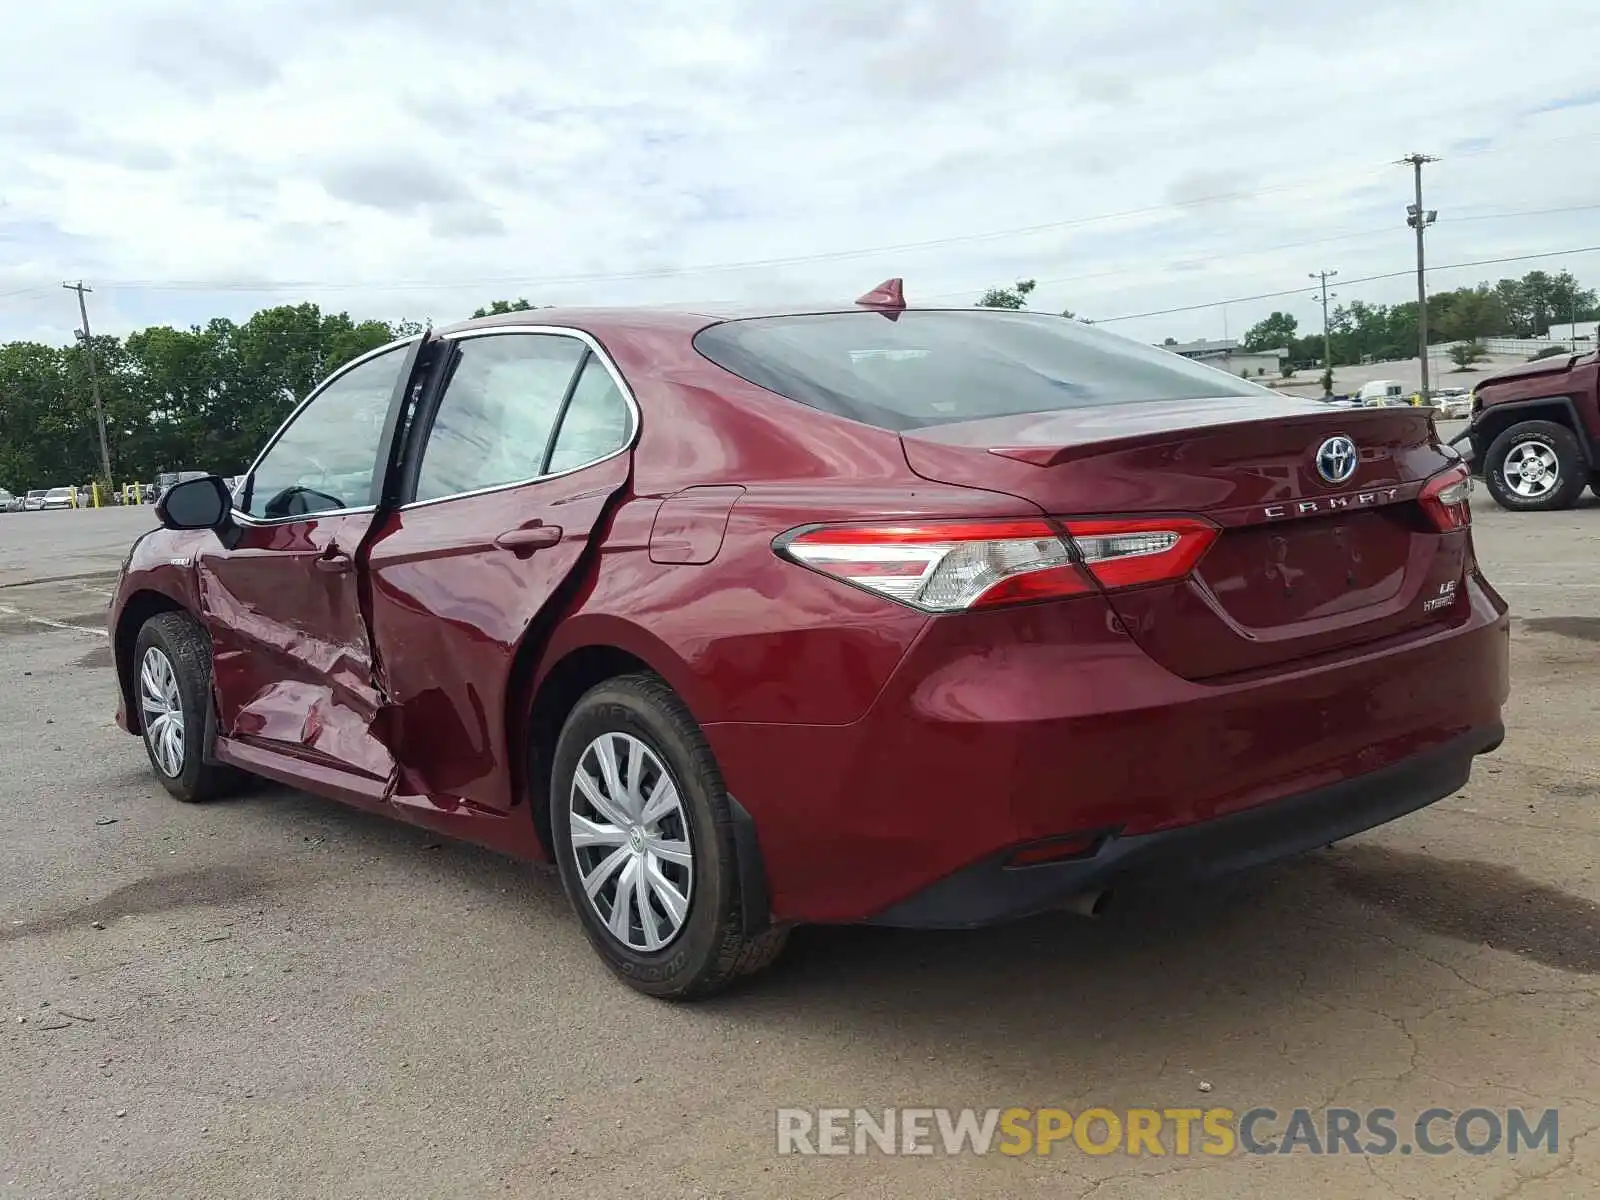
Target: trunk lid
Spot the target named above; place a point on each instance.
(1301, 566)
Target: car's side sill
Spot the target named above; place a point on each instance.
(360, 790)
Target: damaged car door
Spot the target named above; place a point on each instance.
(294, 673)
(512, 461)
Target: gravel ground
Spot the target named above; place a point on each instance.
(277, 996)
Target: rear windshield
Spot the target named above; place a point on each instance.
(936, 367)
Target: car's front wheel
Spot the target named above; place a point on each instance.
(644, 841)
(1534, 467)
(172, 688)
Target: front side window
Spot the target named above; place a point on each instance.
(327, 457)
(499, 407)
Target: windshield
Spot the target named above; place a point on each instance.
(912, 369)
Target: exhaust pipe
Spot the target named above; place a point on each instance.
(1086, 904)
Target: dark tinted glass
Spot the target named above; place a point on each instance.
(934, 368)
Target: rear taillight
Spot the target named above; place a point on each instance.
(1446, 498)
(953, 566)
(944, 566)
(1126, 552)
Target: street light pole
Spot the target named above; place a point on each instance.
(1419, 219)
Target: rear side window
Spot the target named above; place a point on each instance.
(497, 412)
(935, 368)
(596, 423)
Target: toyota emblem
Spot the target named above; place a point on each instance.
(1337, 459)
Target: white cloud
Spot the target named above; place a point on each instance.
(405, 159)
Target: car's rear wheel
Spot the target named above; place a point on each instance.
(1534, 467)
(643, 836)
(172, 688)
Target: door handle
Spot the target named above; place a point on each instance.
(525, 541)
(334, 561)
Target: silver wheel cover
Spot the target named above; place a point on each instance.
(630, 839)
(162, 706)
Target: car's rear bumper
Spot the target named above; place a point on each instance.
(1004, 729)
(992, 891)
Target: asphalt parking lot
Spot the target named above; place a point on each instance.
(277, 996)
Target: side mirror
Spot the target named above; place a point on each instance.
(195, 504)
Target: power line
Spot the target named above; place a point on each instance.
(707, 268)
(255, 286)
(1480, 262)
(1526, 212)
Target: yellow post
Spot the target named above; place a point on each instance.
(94, 492)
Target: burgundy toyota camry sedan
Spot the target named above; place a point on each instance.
(919, 617)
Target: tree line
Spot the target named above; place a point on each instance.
(204, 398)
(1512, 308)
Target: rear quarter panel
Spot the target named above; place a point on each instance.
(748, 636)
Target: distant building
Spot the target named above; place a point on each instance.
(1574, 334)
(1227, 355)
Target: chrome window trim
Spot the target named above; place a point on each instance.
(600, 355)
(245, 518)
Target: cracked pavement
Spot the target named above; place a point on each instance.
(277, 996)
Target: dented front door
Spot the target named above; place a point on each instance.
(293, 665)
(292, 661)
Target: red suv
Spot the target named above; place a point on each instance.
(916, 617)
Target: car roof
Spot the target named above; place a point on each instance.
(687, 318)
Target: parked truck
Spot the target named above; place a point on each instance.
(1534, 433)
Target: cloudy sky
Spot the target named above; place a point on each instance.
(191, 158)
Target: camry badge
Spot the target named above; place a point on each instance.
(1337, 459)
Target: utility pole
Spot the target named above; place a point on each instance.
(1327, 340)
(1419, 219)
(94, 380)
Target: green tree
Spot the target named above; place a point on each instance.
(1467, 314)
(33, 423)
(1464, 354)
(1011, 297)
(1568, 301)
(1277, 330)
(496, 308)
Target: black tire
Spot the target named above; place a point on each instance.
(184, 644)
(710, 950)
(1571, 470)
(1594, 485)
